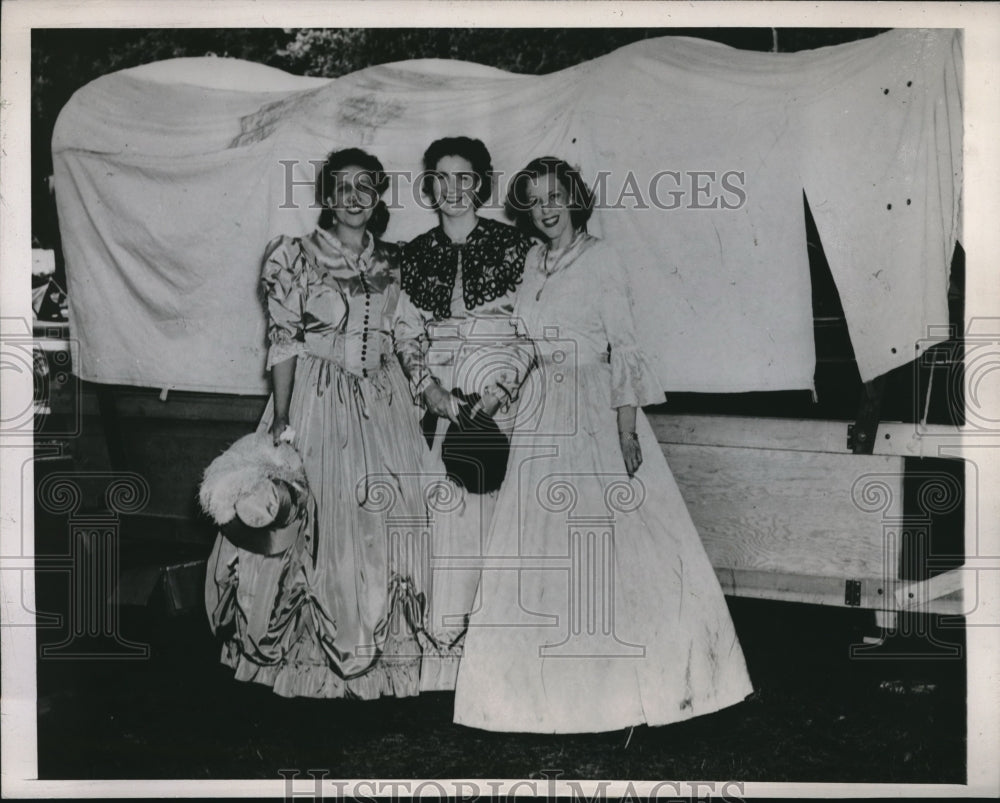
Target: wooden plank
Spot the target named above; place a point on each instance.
(791, 512)
(752, 433)
(193, 407)
(183, 406)
(917, 440)
(792, 587)
(894, 438)
(915, 593)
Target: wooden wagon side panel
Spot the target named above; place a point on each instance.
(782, 511)
(787, 512)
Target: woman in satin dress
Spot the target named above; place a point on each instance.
(338, 614)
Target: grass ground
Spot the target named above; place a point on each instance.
(817, 716)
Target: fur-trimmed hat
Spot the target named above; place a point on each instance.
(256, 492)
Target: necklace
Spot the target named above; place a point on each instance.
(545, 272)
(564, 258)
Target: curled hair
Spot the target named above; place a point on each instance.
(336, 162)
(581, 199)
(473, 151)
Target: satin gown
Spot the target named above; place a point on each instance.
(338, 614)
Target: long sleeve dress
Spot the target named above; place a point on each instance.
(598, 608)
(455, 328)
(338, 614)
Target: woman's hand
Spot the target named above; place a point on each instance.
(282, 382)
(629, 440)
(278, 426)
(631, 451)
(440, 402)
(488, 403)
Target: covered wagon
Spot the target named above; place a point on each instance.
(769, 207)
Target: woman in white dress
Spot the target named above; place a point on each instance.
(598, 608)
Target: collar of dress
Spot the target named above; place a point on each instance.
(328, 245)
(492, 259)
(552, 261)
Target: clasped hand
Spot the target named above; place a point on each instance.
(439, 401)
(446, 405)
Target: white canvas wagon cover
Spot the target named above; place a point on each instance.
(172, 177)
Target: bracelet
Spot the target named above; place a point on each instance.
(632, 436)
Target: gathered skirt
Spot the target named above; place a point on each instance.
(339, 614)
(459, 524)
(598, 608)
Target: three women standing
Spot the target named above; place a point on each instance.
(597, 608)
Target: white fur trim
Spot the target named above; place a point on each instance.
(239, 470)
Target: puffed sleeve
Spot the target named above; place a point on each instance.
(410, 334)
(283, 280)
(633, 380)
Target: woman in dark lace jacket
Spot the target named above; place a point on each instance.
(455, 334)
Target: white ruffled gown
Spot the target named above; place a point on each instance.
(598, 608)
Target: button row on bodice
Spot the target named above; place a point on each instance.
(364, 334)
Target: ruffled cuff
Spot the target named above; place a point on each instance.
(282, 350)
(633, 381)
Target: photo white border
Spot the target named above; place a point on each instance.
(981, 240)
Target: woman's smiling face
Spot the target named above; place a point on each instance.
(455, 185)
(550, 208)
(354, 197)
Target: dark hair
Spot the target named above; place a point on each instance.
(473, 151)
(335, 163)
(581, 199)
